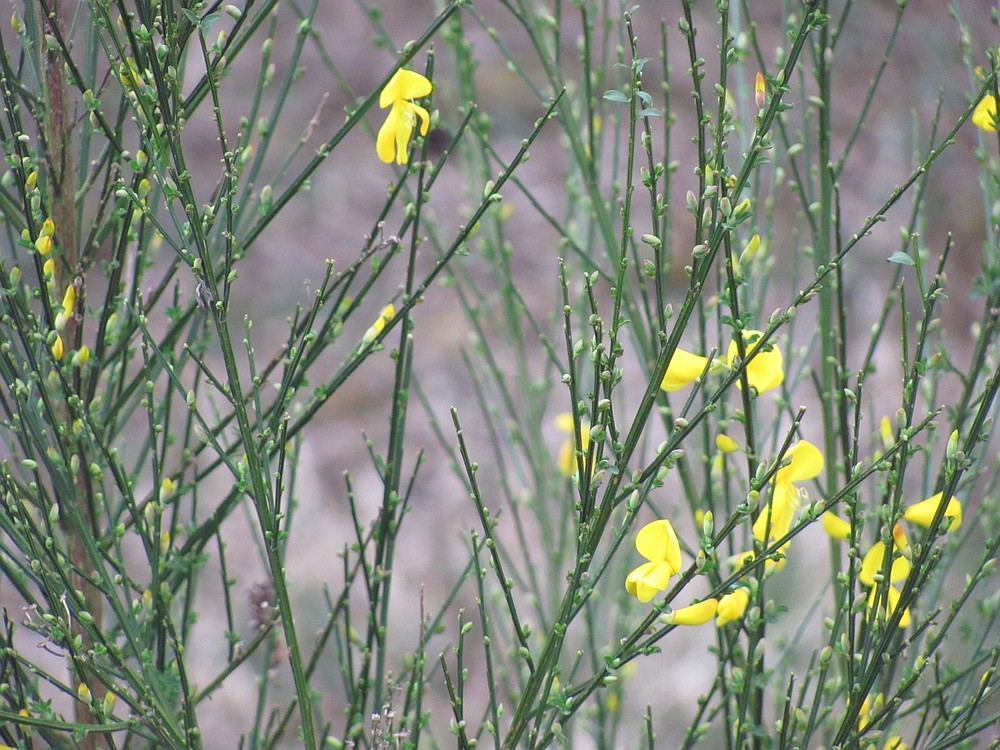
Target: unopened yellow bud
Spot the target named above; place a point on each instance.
(166, 488)
(759, 90)
(81, 356)
(57, 348)
(44, 244)
(725, 443)
(379, 325)
(48, 227)
(15, 276)
(164, 542)
(83, 693)
(69, 299)
(109, 703)
(15, 22)
(952, 448)
(750, 251)
(49, 268)
(885, 432)
(31, 180)
(143, 189)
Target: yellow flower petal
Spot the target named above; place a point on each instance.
(894, 743)
(657, 541)
(764, 369)
(725, 443)
(836, 526)
(696, 614)
(683, 368)
(775, 519)
(984, 115)
(732, 606)
(806, 463)
(567, 451)
(922, 513)
(873, 562)
(404, 84)
(645, 581)
(892, 599)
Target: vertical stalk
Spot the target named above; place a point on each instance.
(61, 185)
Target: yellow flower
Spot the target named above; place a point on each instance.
(397, 130)
(567, 451)
(873, 563)
(44, 244)
(922, 513)
(874, 560)
(683, 368)
(764, 369)
(695, 614)
(725, 443)
(892, 600)
(985, 114)
(732, 606)
(57, 347)
(658, 543)
(870, 705)
(82, 356)
(836, 526)
(804, 462)
(759, 90)
(68, 303)
(379, 325)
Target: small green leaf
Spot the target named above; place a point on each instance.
(614, 95)
(901, 258)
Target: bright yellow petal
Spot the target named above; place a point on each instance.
(683, 368)
(645, 581)
(421, 113)
(806, 463)
(725, 443)
(764, 369)
(404, 84)
(836, 526)
(894, 743)
(775, 519)
(657, 541)
(696, 614)
(892, 598)
(732, 606)
(922, 513)
(873, 563)
(983, 116)
(385, 144)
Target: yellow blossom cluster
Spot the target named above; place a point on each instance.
(657, 542)
(896, 559)
(764, 366)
